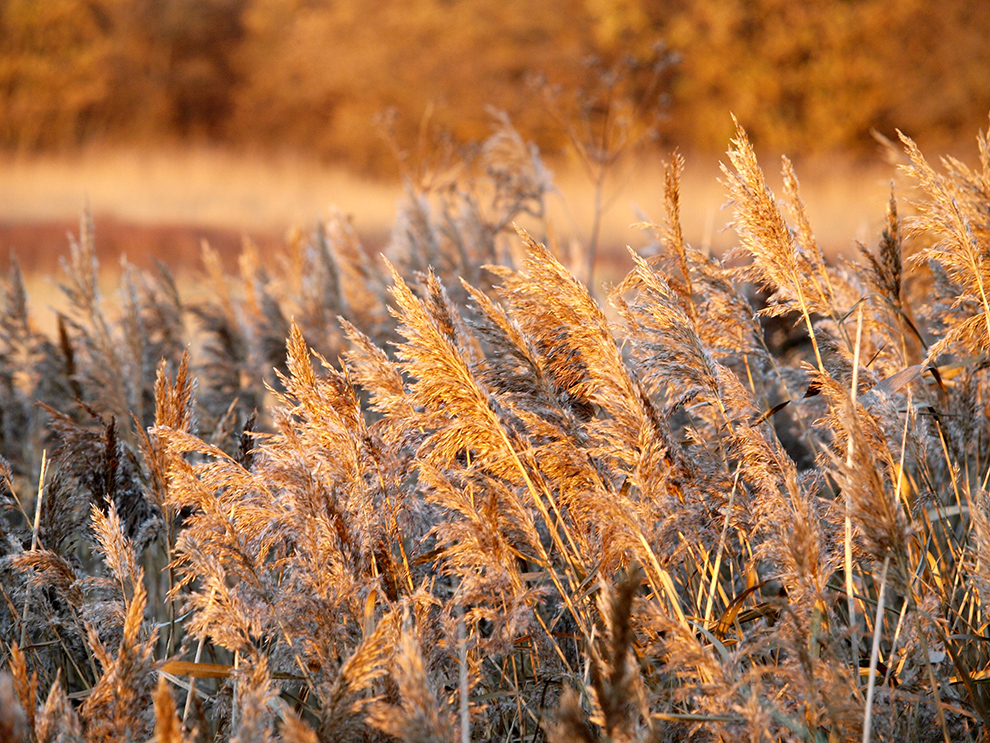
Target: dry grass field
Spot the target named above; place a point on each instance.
(159, 204)
(451, 493)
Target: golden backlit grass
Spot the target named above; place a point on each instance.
(457, 495)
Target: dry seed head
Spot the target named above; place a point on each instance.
(13, 721)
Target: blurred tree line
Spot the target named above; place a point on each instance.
(312, 75)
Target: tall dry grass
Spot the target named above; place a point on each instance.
(746, 499)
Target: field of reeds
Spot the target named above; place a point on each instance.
(456, 495)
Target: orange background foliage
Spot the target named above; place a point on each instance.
(311, 76)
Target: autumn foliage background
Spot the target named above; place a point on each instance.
(310, 75)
